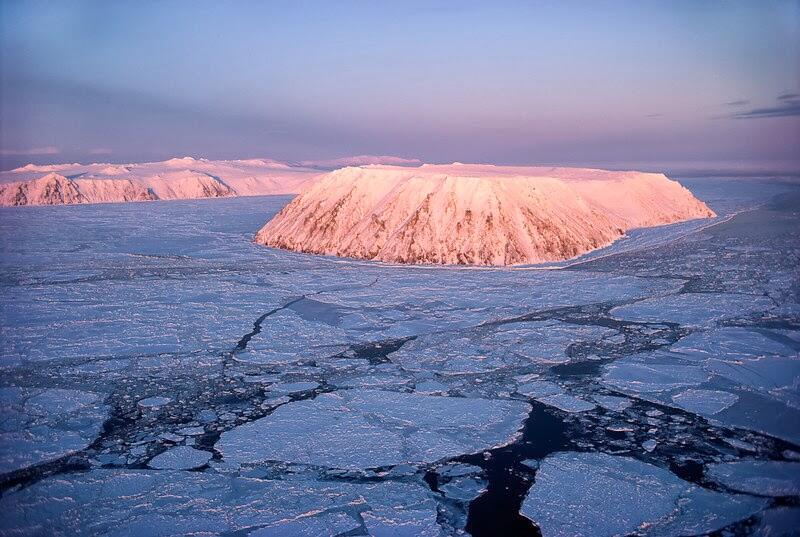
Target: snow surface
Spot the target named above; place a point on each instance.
(474, 214)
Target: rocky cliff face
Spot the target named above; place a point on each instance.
(474, 214)
(51, 189)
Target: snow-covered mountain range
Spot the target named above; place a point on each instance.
(178, 178)
(474, 214)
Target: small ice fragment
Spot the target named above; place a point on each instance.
(154, 402)
(566, 402)
(738, 444)
(704, 402)
(207, 416)
(791, 454)
(293, 387)
(649, 445)
(430, 387)
(611, 402)
(191, 431)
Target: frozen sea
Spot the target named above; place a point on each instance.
(162, 375)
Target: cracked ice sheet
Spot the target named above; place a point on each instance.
(160, 503)
(145, 316)
(730, 344)
(693, 309)
(426, 288)
(287, 337)
(620, 495)
(38, 425)
(359, 429)
(756, 394)
(411, 301)
(489, 348)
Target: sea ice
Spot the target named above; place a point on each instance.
(128, 302)
(360, 429)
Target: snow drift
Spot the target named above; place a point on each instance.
(474, 214)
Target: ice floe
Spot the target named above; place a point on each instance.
(706, 402)
(595, 494)
(767, 478)
(372, 428)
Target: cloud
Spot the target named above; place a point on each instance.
(741, 102)
(788, 105)
(100, 151)
(46, 150)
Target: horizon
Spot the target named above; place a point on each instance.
(681, 169)
(707, 85)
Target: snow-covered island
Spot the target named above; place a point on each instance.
(474, 214)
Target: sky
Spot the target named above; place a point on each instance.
(692, 84)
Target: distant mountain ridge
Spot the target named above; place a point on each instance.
(176, 178)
